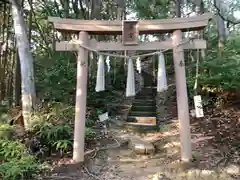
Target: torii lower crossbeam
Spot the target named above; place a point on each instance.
(117, 46)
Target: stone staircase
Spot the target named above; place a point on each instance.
(143, 111)
(142, 116)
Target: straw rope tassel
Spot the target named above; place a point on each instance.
(130, 90)
(100, 84)
(161, 78)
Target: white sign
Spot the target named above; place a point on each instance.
(198, 106)
(103, 117)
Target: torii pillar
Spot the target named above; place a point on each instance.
(182, 97)
(81, 99)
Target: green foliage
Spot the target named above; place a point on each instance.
(57, 81)
(4, 117)
(220, 71)
(63, 145)
(151, 9)
(15, 162)
(50, 133)
(6, 131)
(11, 149)
(90, 133)
(90, 122)
(54, 127)
(19, 169)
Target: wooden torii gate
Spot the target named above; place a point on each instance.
(130, 31)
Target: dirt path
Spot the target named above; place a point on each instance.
(216, 153)
(122, 164)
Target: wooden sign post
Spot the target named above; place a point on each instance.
(130, 31)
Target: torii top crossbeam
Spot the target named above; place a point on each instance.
(144, 26)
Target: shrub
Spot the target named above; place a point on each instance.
(63, 145)
(218, 74)
(15, 162)
(4, 117)
(6, 131)
(89, 133)
(55, 133)
(11, 149)
(24, 168)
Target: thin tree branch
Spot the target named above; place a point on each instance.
(75, 8)
(38, 26)
(83, 10)
(224, 18)
(58, 10)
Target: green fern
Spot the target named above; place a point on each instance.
(11, 149)
(22, 169)
(63, 145)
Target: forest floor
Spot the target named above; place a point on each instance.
(216, 152)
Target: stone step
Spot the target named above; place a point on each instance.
(142, 113)
(143, 108)
(144, 97)
(139, 124)
(143, 119)
(141, 127)
(148, 90)
(146, 103)
(143, 100)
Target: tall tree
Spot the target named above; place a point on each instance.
(26, 63)
(221, 25)
(3, 49)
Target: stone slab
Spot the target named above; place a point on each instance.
(141, 147)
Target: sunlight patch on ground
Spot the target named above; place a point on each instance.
(172, 144)
(233, 169)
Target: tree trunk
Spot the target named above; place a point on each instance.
(65, 6)
(30, 22)
(17, 81)
(121, 16)
(8, 55)
(26, 63)
(95, 14)
(3, 49)
(96, 9)
(221, 26)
